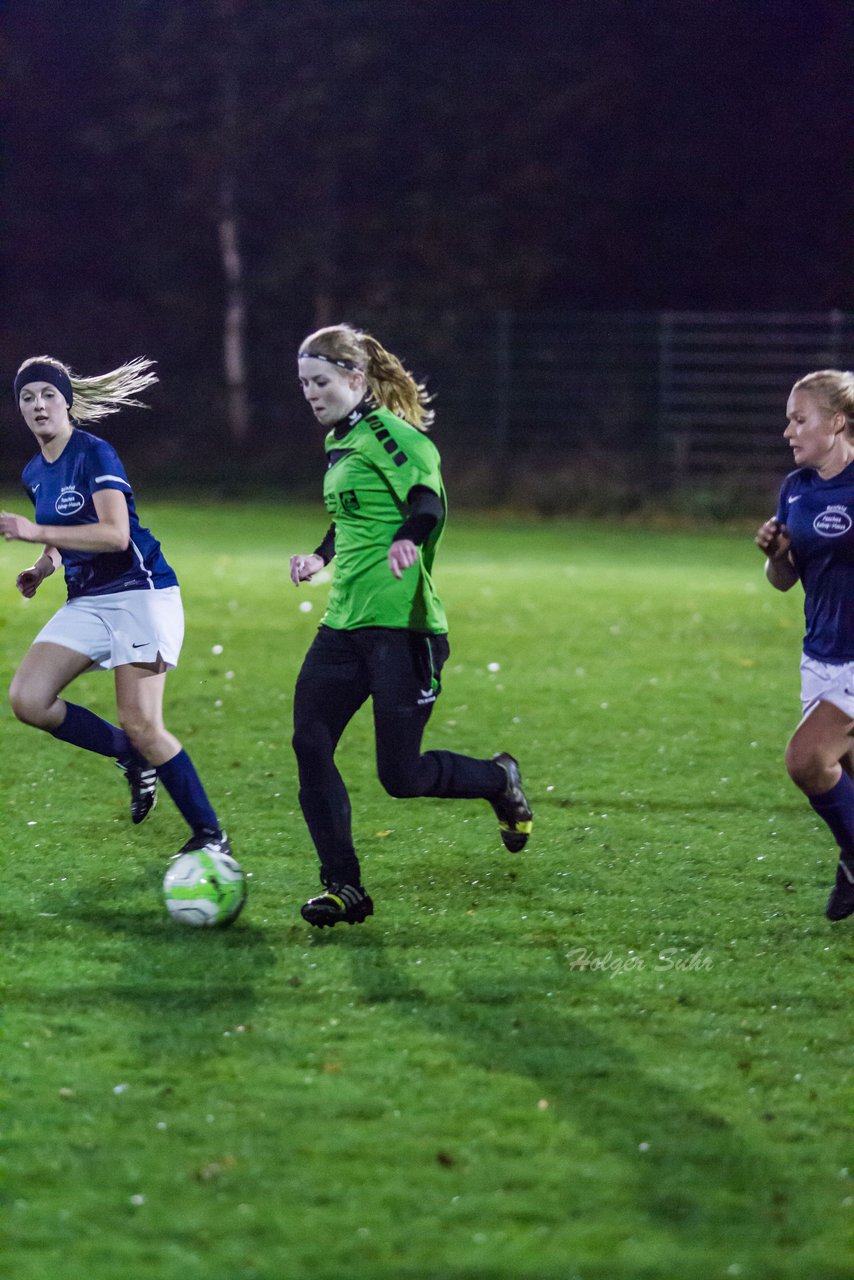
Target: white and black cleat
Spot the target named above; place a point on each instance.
(840, 904)
(142, 780)
(208, 841)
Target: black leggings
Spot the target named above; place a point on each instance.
(400, 671)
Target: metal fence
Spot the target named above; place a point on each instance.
(560, 405)
(723, 381)
(677, 398)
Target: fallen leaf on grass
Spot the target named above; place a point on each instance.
(209, 1172)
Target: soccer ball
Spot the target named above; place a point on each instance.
(204, 888)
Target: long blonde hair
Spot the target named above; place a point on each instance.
(833, 389)
(106, 393)
(390, 385)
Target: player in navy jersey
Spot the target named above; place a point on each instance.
(123, 611)
(811, 540)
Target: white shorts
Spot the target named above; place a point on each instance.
(122, 627)
(827, 682)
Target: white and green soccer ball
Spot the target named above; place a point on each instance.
(204, 888)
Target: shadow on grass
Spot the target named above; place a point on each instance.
(183, 983)
(640, 804)
(697, 1176)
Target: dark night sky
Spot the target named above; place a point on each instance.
(614, 155)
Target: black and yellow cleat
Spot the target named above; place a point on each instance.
(511, 806)
(338, 904)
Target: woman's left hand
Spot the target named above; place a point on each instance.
(17, 528)
(303, 568)
(401, 555)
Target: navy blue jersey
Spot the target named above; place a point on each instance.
(819, 515)
(61, 493)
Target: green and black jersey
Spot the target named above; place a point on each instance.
(371, 469)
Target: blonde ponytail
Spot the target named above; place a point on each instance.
(105, 393)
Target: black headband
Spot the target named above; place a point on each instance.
(342, 364)
(40, 371)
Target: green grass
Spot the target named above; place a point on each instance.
(622, 1055)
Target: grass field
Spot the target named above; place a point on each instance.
(622, 1055)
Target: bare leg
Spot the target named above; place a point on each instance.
(817, 758)
(139, 697)
(139, 694)
(820, 749)
(44, 672)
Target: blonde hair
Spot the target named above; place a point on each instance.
(107, 392)
(390, 385)
(833, 389)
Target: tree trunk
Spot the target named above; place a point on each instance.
(234, 320)
(234, 317)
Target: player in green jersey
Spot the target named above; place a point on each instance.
(384, 633)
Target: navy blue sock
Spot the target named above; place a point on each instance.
(84, 729)
(836, 807)
(180, 779)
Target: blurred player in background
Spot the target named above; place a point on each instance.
(384, 633)
(811, 540)
(123, 611)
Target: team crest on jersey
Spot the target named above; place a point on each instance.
(348, 499)
(69, 501)
(832, 522)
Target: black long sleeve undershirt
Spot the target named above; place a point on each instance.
(326, 550)
(424, 510)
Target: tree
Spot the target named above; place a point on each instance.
(234, 319)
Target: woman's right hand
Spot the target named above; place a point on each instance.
(303, 568)
(773, 540)
(29, 581)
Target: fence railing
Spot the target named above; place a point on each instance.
(638, 402)
(723, 381)
(694, 398)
